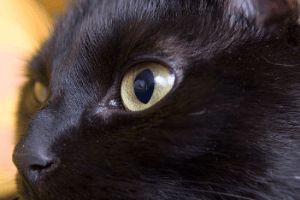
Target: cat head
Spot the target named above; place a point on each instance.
(163, 100)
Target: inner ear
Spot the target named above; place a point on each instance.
(274, 16)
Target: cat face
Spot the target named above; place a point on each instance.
(163, 100)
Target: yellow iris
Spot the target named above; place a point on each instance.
(163, 78)
(40, 92)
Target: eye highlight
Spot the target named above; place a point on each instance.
(40, 92)
(146, 84)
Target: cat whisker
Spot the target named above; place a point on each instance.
(198, 113)
(278, 64)
(171, 186)
(214, 192)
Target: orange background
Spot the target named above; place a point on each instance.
(24, 24)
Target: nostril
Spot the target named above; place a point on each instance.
(37, 171)
(34, 158)
(41, 168)
(34, 167)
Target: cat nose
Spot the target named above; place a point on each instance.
(33, 160)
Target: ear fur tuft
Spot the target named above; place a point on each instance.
(273, 16)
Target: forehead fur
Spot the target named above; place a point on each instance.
(95, 23)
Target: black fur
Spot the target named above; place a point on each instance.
(229, 129)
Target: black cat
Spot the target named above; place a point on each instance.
(164, 99)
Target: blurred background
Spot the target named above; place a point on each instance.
(24, 25)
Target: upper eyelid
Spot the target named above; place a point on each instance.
(35, 76)
(140, 59)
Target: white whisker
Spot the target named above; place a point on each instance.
(198, 113)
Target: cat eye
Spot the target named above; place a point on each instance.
(146, 84)
(40, 92)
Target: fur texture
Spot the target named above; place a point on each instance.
(229, 128)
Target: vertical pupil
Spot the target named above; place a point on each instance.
(144, 86)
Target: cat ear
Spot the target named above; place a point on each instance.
(274, 16)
